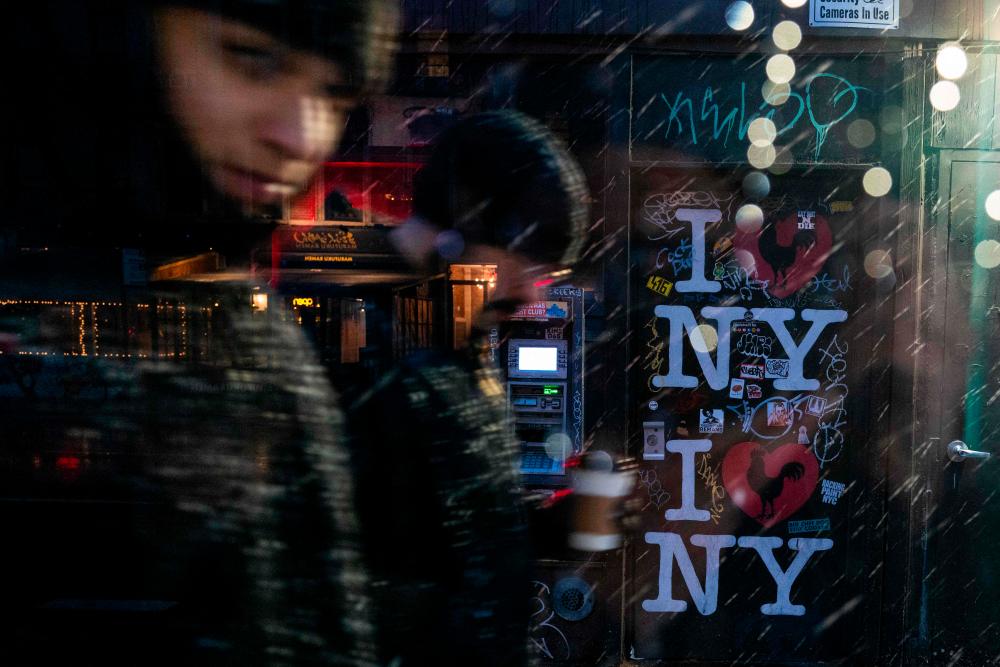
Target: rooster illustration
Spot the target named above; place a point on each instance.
(767, 487)
(780, 257)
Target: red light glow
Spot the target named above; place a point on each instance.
(68, 462)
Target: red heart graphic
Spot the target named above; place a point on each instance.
(787, 253)
(769, 486)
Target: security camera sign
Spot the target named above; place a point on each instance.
(871, 14)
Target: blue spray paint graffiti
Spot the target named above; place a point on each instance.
(821, 109)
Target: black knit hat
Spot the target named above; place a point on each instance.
(358, 34)
(502, 179)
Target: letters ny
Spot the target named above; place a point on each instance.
(683, 323)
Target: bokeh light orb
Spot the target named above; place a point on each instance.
(877, 181)
(794, 4)
(993, 204)
(951, 61)
(787, 35)
(945, 95)
(891, 119)
(861, 133)
(745, 260)
(749, 218)
(762, 132)
(988, 254)
(780, 68)
(782, 162)
(775, 94)
(756, 185)
(558, 446)
(704, 338)
(761, 157)
(878, 264)
(739, 15)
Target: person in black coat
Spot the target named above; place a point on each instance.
(443, 521)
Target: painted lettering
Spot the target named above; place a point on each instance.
(698, 217)
(687, 449)
(804, 547)
(672, 548)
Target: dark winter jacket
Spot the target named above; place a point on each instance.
(442, 518)
(195, 507)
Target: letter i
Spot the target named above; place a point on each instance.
(698, 217)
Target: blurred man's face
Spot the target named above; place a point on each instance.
(519, 278)
(259, 115)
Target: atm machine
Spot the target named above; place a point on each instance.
(544, 377)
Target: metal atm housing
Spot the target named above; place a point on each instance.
(543, 355)
(538, 402)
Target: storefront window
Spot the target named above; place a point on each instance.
(471, 286)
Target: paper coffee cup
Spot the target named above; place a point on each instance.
(596, 495)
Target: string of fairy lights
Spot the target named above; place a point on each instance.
(90, 336)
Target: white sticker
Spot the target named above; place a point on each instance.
(736, 388)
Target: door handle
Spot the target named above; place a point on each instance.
(958, 451)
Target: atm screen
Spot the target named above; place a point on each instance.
(537, 359)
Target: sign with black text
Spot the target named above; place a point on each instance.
(873, 14)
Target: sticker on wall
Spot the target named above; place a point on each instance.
(816, 406)
(754, 391)
(722, 247)
(787, 253)
(747, 325)
(775, 369)
(807, 220)
(653, 405)
(769, 484)
(752, 371)
(736, 388)
(661, 286)
(777, 413)
(831, 491)
(572, 599)
(808, 526)
(710, 421)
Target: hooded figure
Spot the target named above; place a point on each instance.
(443, 522)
